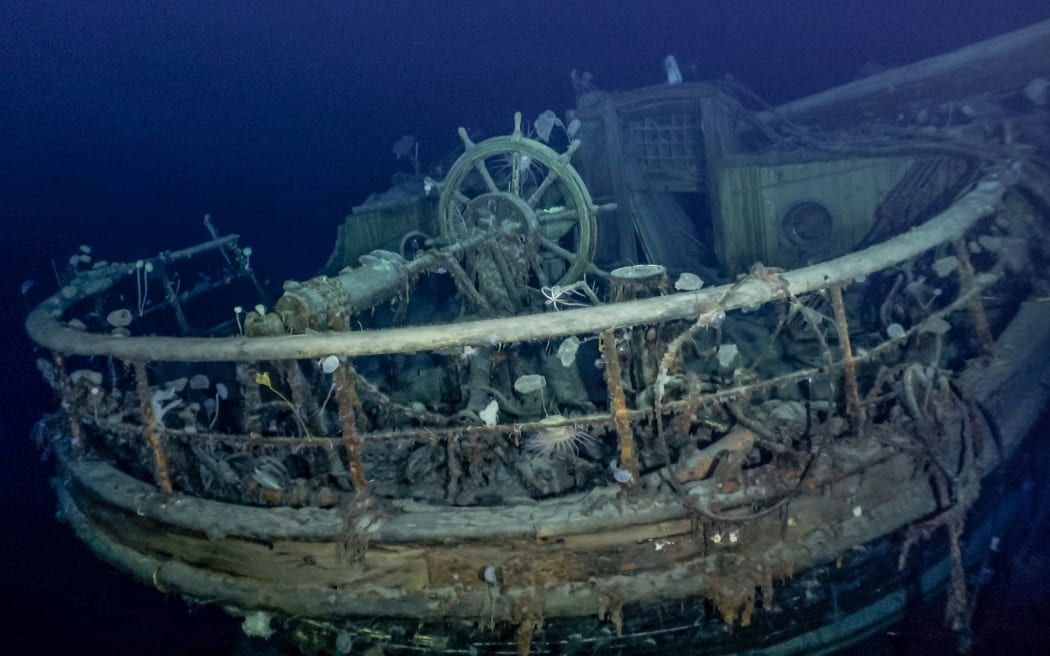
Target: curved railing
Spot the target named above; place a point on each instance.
(276, 420)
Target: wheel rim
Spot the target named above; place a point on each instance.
(518, 175)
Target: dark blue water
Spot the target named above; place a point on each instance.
(122, 123)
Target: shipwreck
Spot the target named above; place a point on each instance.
(677, 369)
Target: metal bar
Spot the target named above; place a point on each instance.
(854, 411)
(74, 423)
(173, 300)
(151, 432)
(618, 406)
(975, 305)
(348, 401)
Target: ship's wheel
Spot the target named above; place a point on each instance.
(530, 201)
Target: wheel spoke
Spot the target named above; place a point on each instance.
(558, 217)
(558, 250)
(541, 272)
(571, 257)
(515, 173)
(483, 171)
(548, 180)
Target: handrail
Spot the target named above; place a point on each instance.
(45, 328)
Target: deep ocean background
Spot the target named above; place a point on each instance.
(122, 123)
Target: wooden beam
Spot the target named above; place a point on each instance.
(1005, 62)
(45, 328)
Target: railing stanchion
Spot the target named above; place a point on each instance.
(150, 430)
(854, 411)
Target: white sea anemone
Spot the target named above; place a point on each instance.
(257, 624)
(330, 364)
(567, 350)
(490, 415)
(560, 439)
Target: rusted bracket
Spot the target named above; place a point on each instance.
(150, 430)
(74, 423)
(974, 305)
(854, 411)
(618, 404)
(348, 401)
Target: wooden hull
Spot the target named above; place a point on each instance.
(421, 578)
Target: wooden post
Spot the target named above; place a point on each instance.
(630, 283)
(150, 430)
